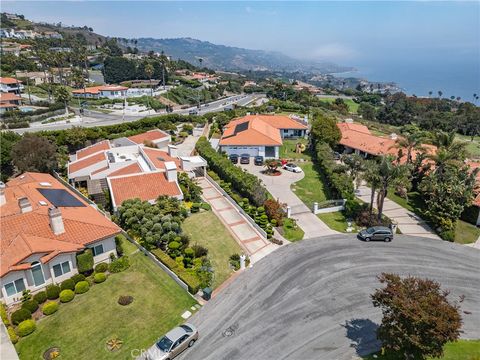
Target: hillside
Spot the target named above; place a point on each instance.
(221, 57)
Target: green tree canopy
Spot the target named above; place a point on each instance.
(325, 129)
(34, 153)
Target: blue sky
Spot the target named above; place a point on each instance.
(338, 31)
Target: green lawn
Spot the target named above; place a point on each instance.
(473, 147)
(207, 230)
(352, 105)
(312, 188)
(460, 350)
(287, 150)
(466, 233)
(290, 233)
(336, 221)
(81, 328)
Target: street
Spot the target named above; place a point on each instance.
(94, 118)
(311, 299)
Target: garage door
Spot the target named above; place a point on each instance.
(239, 150)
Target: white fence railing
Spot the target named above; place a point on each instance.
(329, 206)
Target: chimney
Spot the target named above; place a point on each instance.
(3, 198)
(24, 205)
(393, 136)
(171, 168)
(172, 151)
(56, 221)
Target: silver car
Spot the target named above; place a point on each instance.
(292, 167)
(173, 343)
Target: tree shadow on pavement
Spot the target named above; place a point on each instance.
(363, 334)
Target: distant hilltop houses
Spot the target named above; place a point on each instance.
(28, 34)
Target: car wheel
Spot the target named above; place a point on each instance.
(367, 239)
(387, 239)
(190, 344)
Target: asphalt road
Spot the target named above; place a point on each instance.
(93, 118)
(311, 300)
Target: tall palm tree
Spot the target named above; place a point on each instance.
(355, 164)
(411, 141)
(371, 175)
(440, 93)
(430, 93)
(149, 69)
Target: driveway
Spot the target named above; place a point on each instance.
(279, 187)
(311, 299)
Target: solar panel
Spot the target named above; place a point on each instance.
(241, 127)
(60, 198)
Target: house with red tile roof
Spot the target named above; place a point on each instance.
(260, 135)
(44, 225)
(130, 168)
(10, 85)
(357, 138)
(103, 91)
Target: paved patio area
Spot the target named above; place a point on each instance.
(246, 235)
(279, 187)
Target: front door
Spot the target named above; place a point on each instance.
(37, 274)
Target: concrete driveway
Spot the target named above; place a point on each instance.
(279, 187)
(311, 299)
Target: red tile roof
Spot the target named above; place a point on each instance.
(152, 135)
(24, 234)
(89, 150)
(145, 186)
(256, 132)
(86, 162)
(126, 170)
(9, 81)
(96, 89)
(7, 97)
(278, 121)
(159, 157)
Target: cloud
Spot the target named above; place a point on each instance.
(332, 51)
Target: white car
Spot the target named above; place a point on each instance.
(292, 167)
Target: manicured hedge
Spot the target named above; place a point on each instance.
(85, 261)
(50, 307)
(119, 265)
(77, 278)
(99, 278)
(248, 185)
(191, 280)
(101, 268)
(82, 287)
(40, 297)
(66, 295)
(12, 335)
(4, 315)
(20, 315)
(30, 305)
(53, 291)
(26, 328)
(68, 284)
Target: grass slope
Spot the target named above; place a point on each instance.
(81, 328)
(313, 187)
(206, 230)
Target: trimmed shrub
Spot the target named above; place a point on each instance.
(66, 295)
(26, 328)
(119, 240)
(125, 300)
(12, 335)
(195, 208)
(85, 261)
(448, 235)
(40, 297)
(68, 284)
(49, 308)
(206, 206)
(101, 268)
(53, 291)
(82, 287)
(4, 315)
(119, 265)
(20, 315)
(77, 278)
(99, 277)
(30, 305)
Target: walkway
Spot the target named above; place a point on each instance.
(245, 233)
(279, 187)
(408, 222)
(7, 350)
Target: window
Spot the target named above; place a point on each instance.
(61, 269)
(14, 287)
(97, 250)
(37, 274)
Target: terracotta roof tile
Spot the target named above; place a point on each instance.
(129, 169)
(151, 135)
(86, 162)
(256, 132)
(145, 186)
(6, 97)
(89, 150)
(9, 80)
(159, 157)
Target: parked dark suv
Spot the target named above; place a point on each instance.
(381, 233)
(245, 159)
(258, 160)
(233, 158)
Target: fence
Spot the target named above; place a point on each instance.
(158, 262)
(329, 206)
(249, 219)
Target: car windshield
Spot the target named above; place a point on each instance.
(164, 344)
(370, 230)
(186, 328)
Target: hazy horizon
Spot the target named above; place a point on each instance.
(420, 45)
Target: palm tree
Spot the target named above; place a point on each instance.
(200, 60)
(449, 151)
(149, 69)
(452, 97)
(440, 93)
(475, 97)
(390, 175)
(355, 164)
(430, 93)
(411, 141)
(371, 175)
